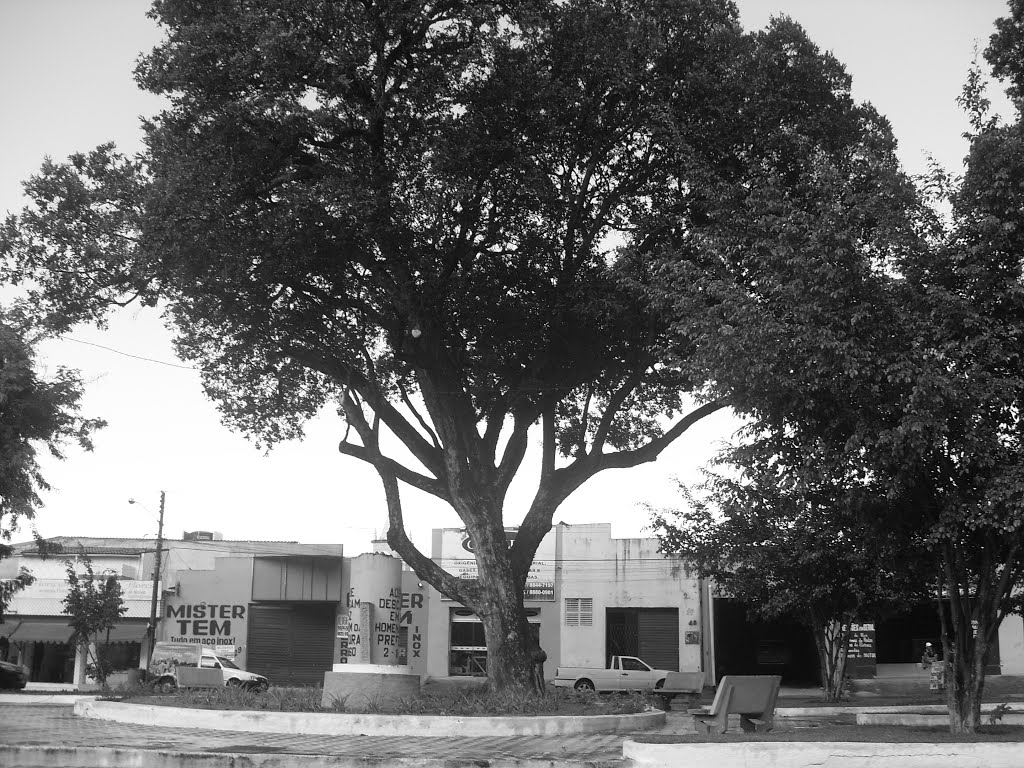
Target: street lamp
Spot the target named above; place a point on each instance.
(151, 629)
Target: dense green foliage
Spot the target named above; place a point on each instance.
(35, 413)
(904, 365)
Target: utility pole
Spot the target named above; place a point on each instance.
(151, 630)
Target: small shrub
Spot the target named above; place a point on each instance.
(338, 703)
(997, 713)
(473, 702)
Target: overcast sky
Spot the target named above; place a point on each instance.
(66, 85)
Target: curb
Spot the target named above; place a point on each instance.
(816, 754)
(43, 699)
(919, 719)
(330, 724)
(102, 757)
(854, 710)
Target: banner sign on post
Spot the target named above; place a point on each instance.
(860, 655)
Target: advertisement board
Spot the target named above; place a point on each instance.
(457, 558)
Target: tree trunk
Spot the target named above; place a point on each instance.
(965, 649)
(510, 648)
(496, 596)
(831, 640)
(964, 674)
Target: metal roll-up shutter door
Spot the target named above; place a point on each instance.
(313, 630)
(291, 644)
(658, 629)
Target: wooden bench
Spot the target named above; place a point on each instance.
(752, 697)
(193, 677)
(688, 684)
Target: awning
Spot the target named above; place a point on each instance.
(55, 632)
(127, 633)
(35, 631)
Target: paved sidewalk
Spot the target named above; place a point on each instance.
(57, 726)
(31, 726)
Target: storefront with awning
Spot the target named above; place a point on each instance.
(36, 634)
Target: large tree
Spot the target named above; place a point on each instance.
(957, 450)
(35, 413)
(443, 219)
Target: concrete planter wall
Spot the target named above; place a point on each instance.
(370, 725)
(918, 719)
(365, 685)
(790, 754)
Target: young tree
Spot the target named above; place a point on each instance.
(789, 539)
(956, 451)
(34, 413)
(442, 219)
(95, 606)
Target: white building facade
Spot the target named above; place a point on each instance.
(589, 596)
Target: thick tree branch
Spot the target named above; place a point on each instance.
(425, 453)
(615, 402)
(568, 479)
(461, 590)
(512, 457)
(422, 482)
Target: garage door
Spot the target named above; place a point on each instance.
(291, 644)
(658, 630)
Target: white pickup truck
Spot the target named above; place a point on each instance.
(624, 673)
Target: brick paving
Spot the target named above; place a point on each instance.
(56, 726)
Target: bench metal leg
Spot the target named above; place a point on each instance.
(756, 724)
(707, 726)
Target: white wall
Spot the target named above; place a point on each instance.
(52, 567)
(616, 573)
(1011, 645)
(620, 573)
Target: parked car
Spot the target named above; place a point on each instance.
(183, 665)
(12, 676)
(624, 673)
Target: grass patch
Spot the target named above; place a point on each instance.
(473, 702)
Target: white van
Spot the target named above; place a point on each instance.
(183, 665)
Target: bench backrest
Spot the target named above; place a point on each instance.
(684, 681)
(746, 694)
(193, 677)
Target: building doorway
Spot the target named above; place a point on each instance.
(745, 645)
(651, 634)
(467, 646)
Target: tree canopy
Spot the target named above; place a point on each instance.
(905, 361)
(448, 220)
(790, 534)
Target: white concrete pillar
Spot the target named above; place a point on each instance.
(375, 599)
(81, 660)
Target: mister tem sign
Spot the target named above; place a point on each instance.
(218, 622)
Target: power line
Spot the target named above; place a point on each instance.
(128, 354)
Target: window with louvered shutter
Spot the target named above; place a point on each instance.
(579, 611)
